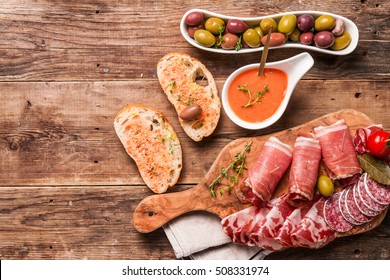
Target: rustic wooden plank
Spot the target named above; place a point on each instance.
(368, 61)
(71, 42)
(96, 223)
(62, 133)
(75, 223)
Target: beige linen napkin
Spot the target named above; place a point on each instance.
(199, 235)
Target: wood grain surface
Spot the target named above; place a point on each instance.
(68, 190)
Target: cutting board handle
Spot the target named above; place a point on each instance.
(156, 210)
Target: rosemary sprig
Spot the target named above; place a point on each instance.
(239, 44)
(218, 43)
(237, 166)
(252, 99)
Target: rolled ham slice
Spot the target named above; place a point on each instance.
(304, 170)
(337, 150)
(265, 173)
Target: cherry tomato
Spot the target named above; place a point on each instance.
(378, 144)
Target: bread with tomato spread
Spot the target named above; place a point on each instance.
(152, 143)
(186, 81)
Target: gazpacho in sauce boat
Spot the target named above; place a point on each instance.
(256, 98)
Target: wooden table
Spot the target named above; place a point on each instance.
(68, 189)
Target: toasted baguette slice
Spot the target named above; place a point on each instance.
(185, 81)
(152, 143)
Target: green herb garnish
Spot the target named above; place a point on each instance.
(189, 102)
(218, 43)
(239, 44)
(172, 84)
(252, 99)
(237, 166)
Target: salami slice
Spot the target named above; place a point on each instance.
(378, 192)
(333, 216)
(343, 208)
(353, 210)
(358, 199)
(367, 200)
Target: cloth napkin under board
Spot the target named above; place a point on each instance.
(199, 236)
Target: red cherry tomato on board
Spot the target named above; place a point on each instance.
(378, 144)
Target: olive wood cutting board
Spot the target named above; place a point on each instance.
(156, 210)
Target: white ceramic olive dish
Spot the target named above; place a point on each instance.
(349, 27)
(294, 67)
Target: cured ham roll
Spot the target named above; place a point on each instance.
(304, 170)
(264, 175)
(337, 150)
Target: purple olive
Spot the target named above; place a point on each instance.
(229, 41)
(194, 18)
(324, 39)
(191, 112)
(306, 38)
(236, 26)
(305, 22)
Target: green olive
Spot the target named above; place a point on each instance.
(252, 38)
(204, 38)
(287, 24)
(324, 22)
(341, 42)
(295, 35)
(265, 25)
(215, 25)
(325, 185)
(259, 31)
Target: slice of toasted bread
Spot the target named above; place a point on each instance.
(186, 81)
(152, 143)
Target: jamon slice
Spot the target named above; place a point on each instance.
(304, 170)
(312, 231)
(264, 234)
(337, 150)
(247, 229)
(232, 223)
(289, 225)
(238, 225)
(265, 173)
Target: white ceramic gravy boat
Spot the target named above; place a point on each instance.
(295, 67)
(349, 25)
